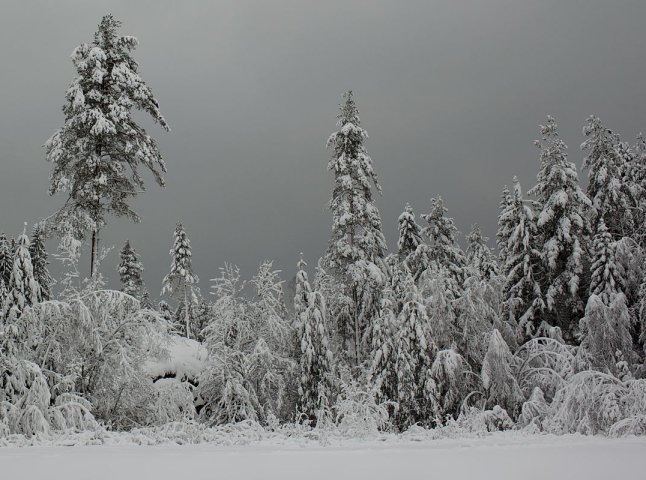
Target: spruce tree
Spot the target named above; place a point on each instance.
(130, 270)
(357, 246)
(181, 282)
(146, 302)
(383, 356)
(503, 227)
(22, 287)
(415, 353)
(410, 235)
(6, 259)
(39, 262)
(479, 257)
(607, 279)
(562, 227)
(522, 296)
(315, 356)
(442, 249)
(608, 190)
(98, 152)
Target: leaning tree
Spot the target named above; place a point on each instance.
(98, 153)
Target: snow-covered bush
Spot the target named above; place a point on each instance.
(358, 413)
(592, 402)
(28, 406)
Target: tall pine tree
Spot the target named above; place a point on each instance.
(357, 246)
(98, 152)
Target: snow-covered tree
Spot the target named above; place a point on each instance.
(146, 302)
(416, 390)
(130, 270)
(181, 282)
(611, 196)
(437, 288)
(607, 279)
(410, 234)
(383, 355)
(502, 233)
(39, 262)
(357, 244)
(22, 287)
(442, 249)
(98, 153)
(315, 356)
(479, 257)
(6, 259)
(453, 381)
(561, 222)
(605, 331)
(497, 376)
(522, 296)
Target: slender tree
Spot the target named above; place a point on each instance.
(97, 154)
(357, 245)
(315, 359)
(410, 233)
(130, 270)
(23, 287)
(39, 261)
(607, 164)
(522, 296)
(6, 259)
(181, 282)
(479, 257)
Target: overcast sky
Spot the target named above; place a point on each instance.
(450, 92)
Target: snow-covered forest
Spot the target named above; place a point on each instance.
(440, 335)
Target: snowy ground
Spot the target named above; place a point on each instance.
(497, 457)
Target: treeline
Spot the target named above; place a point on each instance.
(547, 333)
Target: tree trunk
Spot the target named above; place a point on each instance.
(186, 314)
(95, 247)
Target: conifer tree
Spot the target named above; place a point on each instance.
(416, 350)
(522, 297)
(39, 262)
(130, 270)
(410, 235)
(181, 282)
(383, 356)
(503, 227)
(562, 225)
(146, 302)
(608, 190)
(357, 245)
(6, 259)
(98, 152)
(442, 249)
(607, 280)
(22, 287)
(315, 359)
(479, 257)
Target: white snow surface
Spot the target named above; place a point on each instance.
(186, 359)
(498, 456)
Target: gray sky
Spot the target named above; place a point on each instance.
(450, 92)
